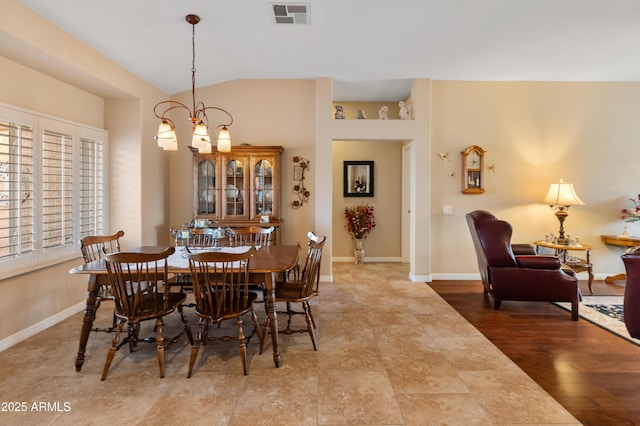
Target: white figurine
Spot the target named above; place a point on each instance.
(404, 111)
(383, 113)
(339, 112)
(361, 114)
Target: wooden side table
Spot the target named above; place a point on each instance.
(577, 264)
(622, 241)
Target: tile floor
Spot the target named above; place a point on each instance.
(392, 352)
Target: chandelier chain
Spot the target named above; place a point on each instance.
(193, 65)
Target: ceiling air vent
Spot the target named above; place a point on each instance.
(291, 13)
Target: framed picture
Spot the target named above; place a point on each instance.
(358, 179)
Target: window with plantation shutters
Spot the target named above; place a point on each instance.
(52, 189)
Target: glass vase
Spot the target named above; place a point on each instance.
(358, 251)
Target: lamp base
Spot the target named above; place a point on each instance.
(563, 241)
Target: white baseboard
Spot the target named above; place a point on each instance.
(326, 278)
(463, 277)
(42, 325)
(455, 277)
(367, 259)
(420, 278)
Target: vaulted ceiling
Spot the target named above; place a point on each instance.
(371, 48)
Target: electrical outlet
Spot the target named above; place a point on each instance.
(447, 209)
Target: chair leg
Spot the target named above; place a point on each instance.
(496, 304)
(256, 326)
(267, 322)
(187, 326)
(132, 336)
(114, 324)
(310, 327)
(574, 311)
(288, 330)
(243, 346)
(160, 345)
(265, 331)
(313, 320)
(112, 349)
(196, 345)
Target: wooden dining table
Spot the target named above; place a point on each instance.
(268, 261)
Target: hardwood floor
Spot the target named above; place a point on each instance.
(594, 374)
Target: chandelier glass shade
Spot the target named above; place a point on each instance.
(166, 136)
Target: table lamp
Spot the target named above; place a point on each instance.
(561, 195)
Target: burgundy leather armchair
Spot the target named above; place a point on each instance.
(516, 272)
(631, 260)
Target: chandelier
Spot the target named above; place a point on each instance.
(166, 135)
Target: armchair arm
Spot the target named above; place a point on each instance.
(520, 249)
(538, 262)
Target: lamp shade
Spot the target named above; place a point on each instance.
(224, 140)
(206, 149)
(166, 136)
(171, 145)
(562, 194)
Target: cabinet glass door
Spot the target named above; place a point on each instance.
(234, 195)
(263, 187)
(207, 188)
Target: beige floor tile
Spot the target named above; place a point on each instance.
(510, 397)
(442, 409)
(357, 397)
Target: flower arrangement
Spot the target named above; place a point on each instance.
(632, 214)
(360, 220)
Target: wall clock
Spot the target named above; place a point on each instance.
(473, 170)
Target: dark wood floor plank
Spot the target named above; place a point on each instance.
(593, 373)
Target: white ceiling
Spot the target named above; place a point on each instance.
(371, 48)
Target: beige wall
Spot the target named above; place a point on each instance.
(265, 112)
(535, 134)
(384, 241)
(23, 87)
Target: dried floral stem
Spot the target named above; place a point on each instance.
(360, 220)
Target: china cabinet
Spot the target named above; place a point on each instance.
(239, 188)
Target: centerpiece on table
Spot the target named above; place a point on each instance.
(360, 221)
(631, 214)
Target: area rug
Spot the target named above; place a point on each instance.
(604, 311)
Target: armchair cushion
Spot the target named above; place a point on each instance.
(538, 262)
(520, 249)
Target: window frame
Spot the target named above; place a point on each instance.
(42, 257)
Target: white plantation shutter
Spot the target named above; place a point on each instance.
(17, 212)
(52, 189)
(57, 189)
(92, 181)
